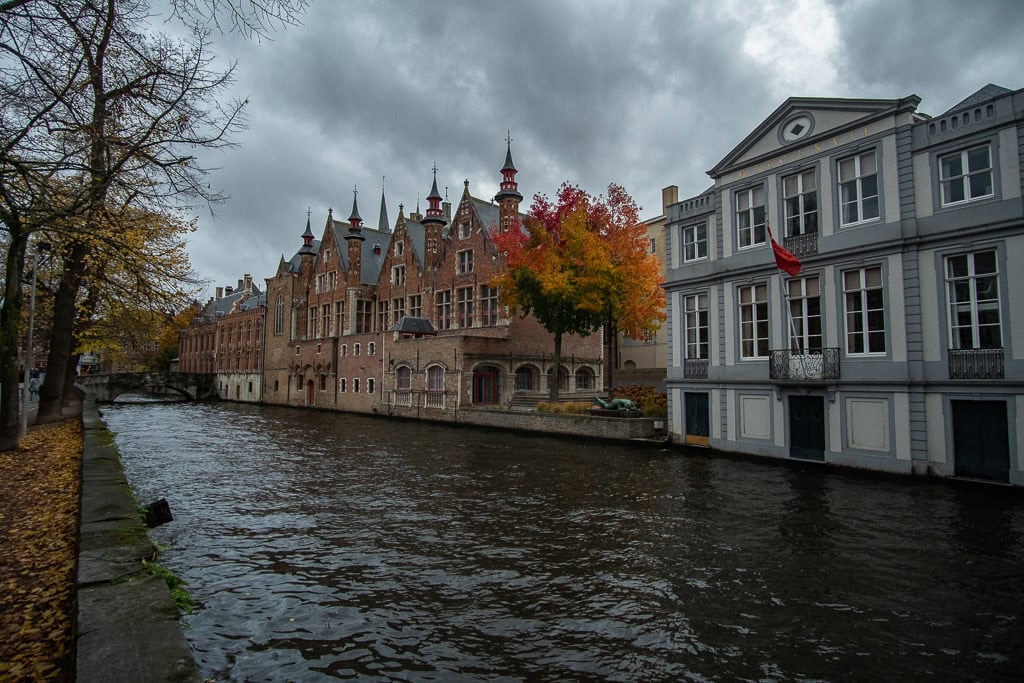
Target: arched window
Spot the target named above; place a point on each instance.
(526, 378)
(341, 385)
(563, 378)
(323, 382)
(355, 350)
(403, 378)
(435, 386)
(279, 315)
(298, 382)
(584, 378)
(344, 350)
(371, 349)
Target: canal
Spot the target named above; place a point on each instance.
(326, 545)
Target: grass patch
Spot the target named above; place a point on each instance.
(174, 583)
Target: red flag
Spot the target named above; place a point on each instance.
(783, 259)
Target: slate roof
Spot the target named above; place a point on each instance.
(410, 325)
(247, 301)
(984, 94)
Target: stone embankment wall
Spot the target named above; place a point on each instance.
(127, 624)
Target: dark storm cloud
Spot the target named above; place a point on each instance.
(644, 94)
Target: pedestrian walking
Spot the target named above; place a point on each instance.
(33, 389)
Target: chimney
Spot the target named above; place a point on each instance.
(239, 287)
(220, 293)
(248, 282)
(228, 290)
(669, 196)
(446, 210)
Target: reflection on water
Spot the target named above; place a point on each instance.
(326, 545)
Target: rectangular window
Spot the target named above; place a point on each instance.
(858, 189)
(398, 275)
(972, 283)
(444, 309)
(488, 306)
(383, 320)
(753, 322)
(800, 192)
(465, 262)
(398, 306)
(695, 315)
(416, 305)
(464, 299)
(339, 310)
(364, 316)
(325, 320)
(865, 311)
(966, 175)
(653, 246)
(399, 248)
(311, 321)
(695, 242)
(805, 312)
(750, 217)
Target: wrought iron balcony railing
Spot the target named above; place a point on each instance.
(802, 245)
(695, 368)
(804, 365)
(976, 364)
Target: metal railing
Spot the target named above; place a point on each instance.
(802, 245)
(800, 365)
(695, 368)
(976, 364)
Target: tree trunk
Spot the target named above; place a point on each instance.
(611, 348)
(10, 328)
(557, 371)
(51, 393)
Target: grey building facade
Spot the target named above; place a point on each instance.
(899, 346)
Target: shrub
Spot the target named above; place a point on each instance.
(562, 408)
(647, 399)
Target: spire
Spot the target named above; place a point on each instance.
(434, 212)
(307, 236)
(355, 219)
(509, 186)
(382, 222)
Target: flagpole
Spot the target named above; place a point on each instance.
(776, 248)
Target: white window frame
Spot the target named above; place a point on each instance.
(859, 314)
(798, 200)
(754, 308)
(806, 314)
(695, 326)
(752, 218)
(964, 179)
(464, 262)
(856, 184)
(691, 240)
(398, 275)
(968, 300)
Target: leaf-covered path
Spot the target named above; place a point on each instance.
(39, 485)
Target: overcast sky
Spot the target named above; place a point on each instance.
(644, 94)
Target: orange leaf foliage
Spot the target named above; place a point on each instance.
(39, 486)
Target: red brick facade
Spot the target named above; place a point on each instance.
(331, 310)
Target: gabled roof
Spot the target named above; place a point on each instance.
(984, 94)
(829, 113)
(371, 262)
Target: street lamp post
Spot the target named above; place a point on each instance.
(29, 351)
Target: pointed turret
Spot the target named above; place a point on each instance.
(508, 196)
(434, 212)
(355, 244)
(307, 237)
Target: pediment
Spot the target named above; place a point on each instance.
(803, 120)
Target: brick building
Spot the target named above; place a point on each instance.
(226, 338)
(406, 322)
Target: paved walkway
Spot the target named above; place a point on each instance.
(128, 628)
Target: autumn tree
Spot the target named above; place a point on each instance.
(581, 262)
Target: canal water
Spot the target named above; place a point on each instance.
(324, 545)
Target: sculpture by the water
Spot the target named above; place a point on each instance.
(615, 404)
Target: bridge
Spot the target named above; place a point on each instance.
(190, 386)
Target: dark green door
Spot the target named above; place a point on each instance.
(981, 447)
(697, 419)
(807, 427)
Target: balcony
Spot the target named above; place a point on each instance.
(802, 245)
(976, 364)
(802, 366)
(695, 368)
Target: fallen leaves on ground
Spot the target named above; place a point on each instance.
(39, 485)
